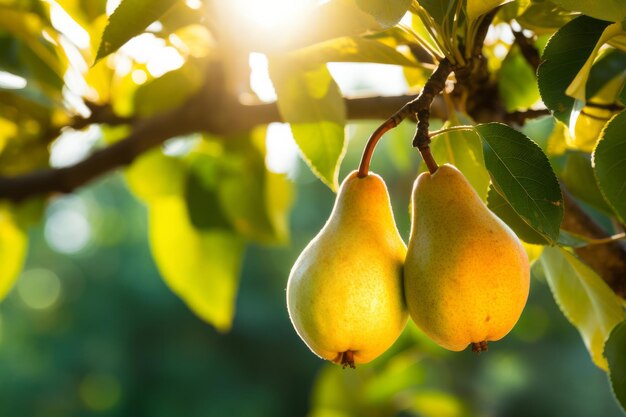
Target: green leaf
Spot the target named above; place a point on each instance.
(387, 13)
(614, 352)
(564, 56)
(203, 204)
(522, 174)
(256, 202)
(544, 17)
(421, 30)
(476, 8)
(516, 82)
(129, 20)
(352, 49)
(311, 102)
(584, 298)
(13, 245)
(168, 91)
(610, 65)
(504, 211)
(579, 179)
(154, 175)
(439, 10)
(611, 10)
(335, 19)
(513, 9)
(578, 86)
(609, 162)
(202, 268)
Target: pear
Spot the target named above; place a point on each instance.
(345, 291)
(466, 275)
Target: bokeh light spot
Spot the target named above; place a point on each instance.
(139, 76)
(282, 151)
(67, 229)
(260, 81)
(39, 288)
(73, 146)
(100, 391)
(269, 13)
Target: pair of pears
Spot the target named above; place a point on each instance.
(464, 278)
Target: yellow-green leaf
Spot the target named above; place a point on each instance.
(202, 268)
(279, 197)
(354, 49)
(168, 91)
(420, 29)
(311, 102)
(611, 10)
(13, 244)
(127, 21)
(387, 13)
(154, 175)
(476, 8)
(584, 298)
(462, 149)
(517, 83)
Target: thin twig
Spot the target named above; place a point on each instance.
(520, 117)
(528, 49)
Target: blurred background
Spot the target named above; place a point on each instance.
(91, 329)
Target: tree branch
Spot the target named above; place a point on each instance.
(145, 134)
(528, 49)
(607, 259)
(150, 132)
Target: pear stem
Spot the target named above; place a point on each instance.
(371, 144)
(419, 106)
(427, 156)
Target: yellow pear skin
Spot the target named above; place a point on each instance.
(466, 275)
(345, 291)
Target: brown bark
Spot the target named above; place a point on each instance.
(607, 259)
